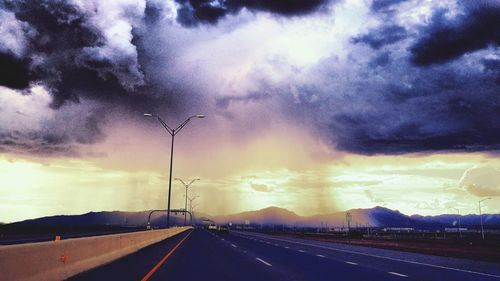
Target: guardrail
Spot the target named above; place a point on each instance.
(58, 260)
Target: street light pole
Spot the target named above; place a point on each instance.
(481, 216)
(187, 186)
(172, 132)
(459, 226)
(191, 199)
(191, 205)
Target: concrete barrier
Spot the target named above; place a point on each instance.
(58, 260)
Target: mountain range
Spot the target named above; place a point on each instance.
(374, 217)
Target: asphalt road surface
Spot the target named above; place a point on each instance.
(202, 255)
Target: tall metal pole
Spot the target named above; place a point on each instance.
(170, 179)
(459, 226)
(481, 216)
(191, 205)
(186, 186)
(172, 132)
(186, 204)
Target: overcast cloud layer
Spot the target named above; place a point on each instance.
(399, 77)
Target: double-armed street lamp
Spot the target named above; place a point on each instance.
(191, 199)
(481, 216)
(172, 132)
(186, 186)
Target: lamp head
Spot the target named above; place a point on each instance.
(148, 114)
(200, 116)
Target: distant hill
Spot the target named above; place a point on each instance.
(453, 220)
(271, 215)
(377, 216)
(92, 220)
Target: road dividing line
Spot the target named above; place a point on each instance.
(263, 261)
(302, 251)
(234, 246)
(277, 245)
(160, 263)
(286, 247)
(397, 274)
(321, 256)
(350, 262)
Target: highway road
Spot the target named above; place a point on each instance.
(202, 255)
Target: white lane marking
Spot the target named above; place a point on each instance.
(286, 247)
(350, 262)
(234, 246)
(222, 239)
(397, 274)
(277, 245)
(302, 251)
(388, 258)
(268, 242)
(263, 261)
(321, 256)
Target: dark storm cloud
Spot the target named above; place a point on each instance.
(65, 54)
(446, 39)
(380, 102)
(380, 60)
(53, 55)
(59, 137)
(14, 72)
(377, 101)
(429, 116)
(192, 12)
(389, 106)
(492, 66)
(62, 47)
(385, 35)
(37, 143)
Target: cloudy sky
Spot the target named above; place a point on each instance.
(315, 106)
